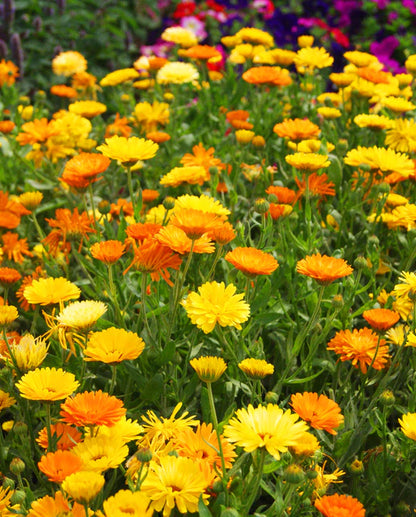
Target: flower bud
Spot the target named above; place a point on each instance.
(18, 497)
(229, 512)
(169, 203)
(17, 466)
(20, 428)
(294, 474)
(360, 263)
(271, 397)
(387, 398)
(8, 483)
(356, 467)
(104, 207)
(144, 455)
(217, 487)
(338, 301)
(258, 141)
(261, 206)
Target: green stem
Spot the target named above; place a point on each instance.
(214, 264)
(48, 425)
(113, 291)
(11, 353)
(113, 378)
(255, 487)
(90, 192)
(37, 226)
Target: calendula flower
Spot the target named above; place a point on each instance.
(297, 129)
(381, 159)
(83, 486)
(208, 368)
(100, 453)
(48, 506)
(401, 136)
(124, 429)
(195, 222)
(196, 175)
(202, 203)
(64, 436)
(6, 126)
(179, 35)
(134, 504)
(317, 410)
(252, 261)
(176, 72)
(46, 291)
(362, 347)
(336, 504)
(313, 57)
(14, 248)
(167, 428)
(29, 353)
(265, 426)
(149, 116)
(8, 73)
(9, 275)
(175, 482)
(381, 319)
(108, 251)
(373, 121)
(256, 368)
(215, 303)
(407, 285)
(397, 104)
(308, 161)
(176, 239)
(58, 465)
(87, 109)
(128, 150)
(158, 136)
(270, 75)
(62, 90)
(119, 127)
(6, 400)
(81, 316)
(69, 63)
(323, 269)
(92, 408)
(119, 76)
(8, 313)
(306, 447)
(47, 384)
(408, 425)
(113, 345)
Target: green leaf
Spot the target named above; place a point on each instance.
(202, 509)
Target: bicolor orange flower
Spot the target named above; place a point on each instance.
(319, 411)
(65, 436)
(195, 222)
(278, 210)
(323, 269)
(201, 156)
(37, 131)
(284, 195)
(108, 251)
(381, 319)
(58, 465)
(92, 408)
(271, 75)
(338, 505)
(8, 72)
(252, 261)
(297, 129)
(362, 347)
(87, 165)
(177, 240)
(119, 127)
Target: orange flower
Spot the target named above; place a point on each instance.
(237, 115)
(155, 258)
(224, 234)
(9, 275)
(8, 72)
(15, 248)
(92, 408)
(297, 129)
(27, 280)
(62, 90)
(10, 212)
(158, 136)
(122, 205)
(271, 75)
(337, 505)
(60, 464)
(318, 185)
(141, 231)
(374, 76)
(66, 436)
(252, 261)
(37, 131)
(6, 126)
(88, 165)
(108, 251)
(203, 52)
(284, 195)
(149, 195)
(319, 411)
(202, 156)
(178, 241)
(241, 124)
(277, 210)
(381, 319)
(362, 347)
(323, 269)
(195, 222)
(119, 127)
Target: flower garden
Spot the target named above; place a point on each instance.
(208, 280)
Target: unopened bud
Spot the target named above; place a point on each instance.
(294, 474)
(387, 398)
(17, 466)
(169, 203)
(356, 467)
(18, 497)
(144, 455)
(360, 263)
(338, 301)
(20, 428)
(104, 207)
(271, 397)
(261, 206)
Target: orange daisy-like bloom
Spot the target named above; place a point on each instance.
(154, 257)
(119, 127)
(92, 408)
(323, 269)
(319, 411)
(108, 251)
(158, 136)
(241, 124)
(284, 195)
(318, 186)
(202, 156)
(297, 129)
(10, 212)
(374, 76)
(177, 240)
(237, 115)
(62, 90)
(252, 261)
(381, 319)
(65, 436)
(9, 275)
(15, 248)
(53, 506)
(224, 234)
(141, 231)
(6, 126)
(8, 72)
(122, 205)
(195, 222)
(337, 505)
(203, 52)
(277, 210)
(58, 465)
(87, 165)
(271, 75)
(113, 345)
(362, 347)
(37, 131)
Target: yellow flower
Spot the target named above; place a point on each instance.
(128, 150)
(100, 453)
(305, 41)
(254, 35)
(69, 63)
(214, 304)
(256, 368)
(6, 400)
(88, 109)
(47, 384)
(126, 502)
(119, 76)
(407, 285)
(31, 200)
(180, 36)
(265, 426)
(374, 121)
(359, 58)
(399, 335)
(208, 369)
(398, 104)
(244, 136)
(379, 158)
(124, 429)
(8, 313)
(329, 113)
(167, 427)
(196, 175)
(402, 136)
(81, 315)
(177, 72)
(202, 203)
(408, 425)
(308, 161)
(313, 57)
(83, 486)
(175, 482)
(29, 352)
(150, 115)
(45, 291)
(113, 345)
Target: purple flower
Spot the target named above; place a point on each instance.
(409, 4)
(383, 51)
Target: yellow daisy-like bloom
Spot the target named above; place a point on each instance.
(313, 57)
(308, 161)
(6, 400)
(8, 313)
(244, 136)
(128, 150)
(175, 482)
(100, 453)
(45, 291)
(215, 303)
(69, 63)
(399, 336)
(167, 428)
(150, 115)
(379, 158)
(408, 425)
(113, 345)
(254, 35)
(88, 109)
(359, 58)
(81, 315)
(329, 113)
(202, 203)
(177, 72)
(5, 503)
(30, 200)
(265, 426)
(410, 63)
(401, 136)
(196, 175)
(398, 104)
(29, 352)
(209, 368)
(83, 486)
(342, 79)
(180, 36)
(126, 502)
(407, 284)
(47, 384)
(124, 429)
(374, 121)
(306, 447)
(256, 368)
(119, 76)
